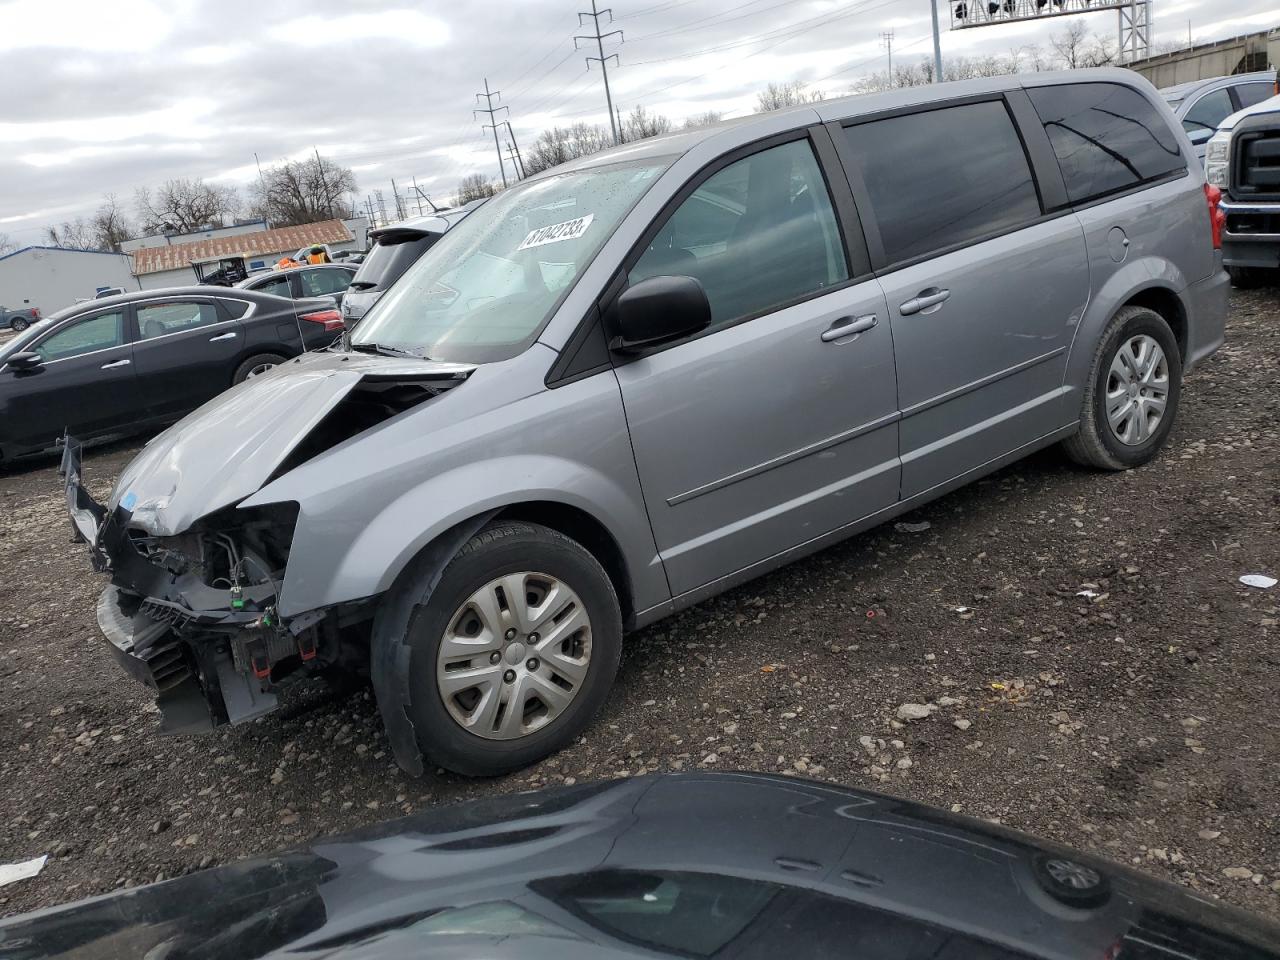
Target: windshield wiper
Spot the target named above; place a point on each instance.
(385, 350)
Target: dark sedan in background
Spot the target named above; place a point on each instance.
(145, 358)
(739, 866)
(297, 283)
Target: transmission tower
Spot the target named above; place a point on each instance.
(886, 41)
(600, 38)
(491, 110)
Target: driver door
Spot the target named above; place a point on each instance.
(86, 383)
(778, 423)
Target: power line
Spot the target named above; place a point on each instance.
(599, 38)
(490, 109)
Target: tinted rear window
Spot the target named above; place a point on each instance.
(944, 177)
(1107, 137)
(386, 262)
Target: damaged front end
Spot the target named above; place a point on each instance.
(192, 609)
(193, 616)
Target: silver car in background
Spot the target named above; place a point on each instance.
(634, 381)
(1202, 105)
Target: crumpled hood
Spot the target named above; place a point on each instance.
(229, 447)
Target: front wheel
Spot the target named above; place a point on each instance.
(513, 652)
(1132, 395)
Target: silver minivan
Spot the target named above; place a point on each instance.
(636, 380)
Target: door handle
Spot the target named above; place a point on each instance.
(223, 336)
(924, 300)
(117, 364)
(848, 327)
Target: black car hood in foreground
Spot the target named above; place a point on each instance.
(706, 865)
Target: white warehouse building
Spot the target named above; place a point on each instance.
(51, 278)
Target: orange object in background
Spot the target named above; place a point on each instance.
(284, 263)
(318, 255)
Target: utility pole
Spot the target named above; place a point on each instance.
(886, 41)
(263, 180)
(381, 204)
(430, 202)
(490, 109)
(511, 155)
(400, 214)
(419, 193)
(514, 143)
(622, 131)
(600, 38)
(937, 44)
(320, 169)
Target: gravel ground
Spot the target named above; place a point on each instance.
(1136, 723)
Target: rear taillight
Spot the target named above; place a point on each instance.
(331, 320)
(1217, 216)
(35, 313)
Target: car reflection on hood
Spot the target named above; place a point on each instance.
(705, 865)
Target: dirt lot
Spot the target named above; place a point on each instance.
(1139, 723)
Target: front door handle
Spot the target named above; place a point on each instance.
(116, 365)
(223, 336)
(848, 327)
(924, 300)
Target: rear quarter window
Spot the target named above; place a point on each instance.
(1107, 138)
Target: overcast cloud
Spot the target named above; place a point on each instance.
(104, 97)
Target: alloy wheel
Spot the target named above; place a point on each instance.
(1137, 390)
(259, 369)
(514, 656)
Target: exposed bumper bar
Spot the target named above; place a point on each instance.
(87, 515)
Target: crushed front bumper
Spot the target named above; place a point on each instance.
(162, 643)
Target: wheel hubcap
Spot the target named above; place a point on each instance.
(1137, 390)
(1074, 875)
(514, 656)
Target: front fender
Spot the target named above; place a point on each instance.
(403, 528)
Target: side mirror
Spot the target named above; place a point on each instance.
(24, 360)
(658, 310)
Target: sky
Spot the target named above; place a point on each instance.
(105, 96)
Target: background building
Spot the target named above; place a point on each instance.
(55, 277)
(170, 265)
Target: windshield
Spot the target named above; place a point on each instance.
(485, 290)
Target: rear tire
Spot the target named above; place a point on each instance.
(1101, 445)
(513, 667)
(1248, 278)
(18, 324)
(256, 365)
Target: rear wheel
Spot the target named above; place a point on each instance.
(1131, 398)
(18, 324)
(256, 366)
(514, 651)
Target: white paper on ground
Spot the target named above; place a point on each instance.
(12, 872)
(1259, 580)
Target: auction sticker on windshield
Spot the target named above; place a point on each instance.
(554, 233)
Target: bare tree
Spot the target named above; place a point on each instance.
(561, 144)
(183, 206)
(778, 95)
(304, 191)
(474, 186)
(7, 244)
(703, 119)
(74, 234)
(109, 224)
(640, 125)
(1077, 48)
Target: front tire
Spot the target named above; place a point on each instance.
(1248, 278)
(1131, 398)
(513, 652)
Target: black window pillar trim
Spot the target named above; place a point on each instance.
(1044, 162)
